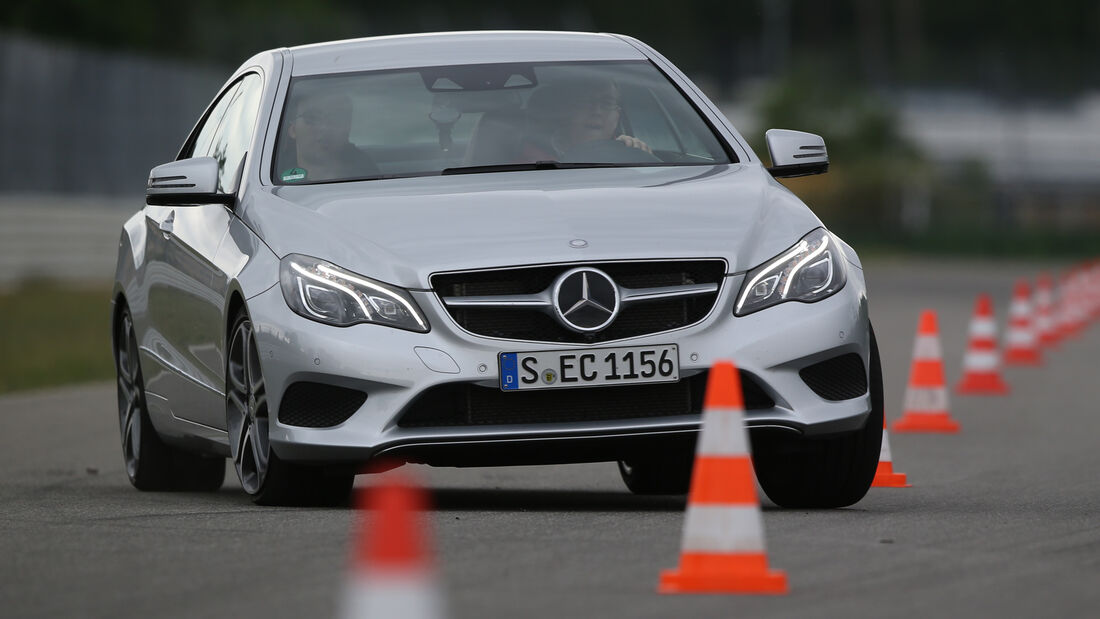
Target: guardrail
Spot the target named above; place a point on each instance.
(67, 238)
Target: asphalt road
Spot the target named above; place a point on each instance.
(1003, 519)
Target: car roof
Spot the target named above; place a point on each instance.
(450, 48)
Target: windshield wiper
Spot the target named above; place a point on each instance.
(522, 167)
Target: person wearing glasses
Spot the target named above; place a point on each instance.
(319, 149)
(579, 120)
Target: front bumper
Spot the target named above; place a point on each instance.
(394, 366)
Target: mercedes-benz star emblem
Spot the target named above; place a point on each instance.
(586, 300)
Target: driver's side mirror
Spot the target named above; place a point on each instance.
(796, 153)
(184, 182)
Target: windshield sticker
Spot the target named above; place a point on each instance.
(293, 174)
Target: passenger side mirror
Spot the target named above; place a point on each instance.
(185, 182)
(796, 153)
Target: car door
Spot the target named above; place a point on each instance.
(187, 299)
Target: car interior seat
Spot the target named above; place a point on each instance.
(495, 138)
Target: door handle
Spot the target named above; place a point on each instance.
(167, 224)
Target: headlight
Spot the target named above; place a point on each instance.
(810, 271)
(326, 293)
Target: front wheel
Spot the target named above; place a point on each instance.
(827, 472)
(663, 474)
(266, 478)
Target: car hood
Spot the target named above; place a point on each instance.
(403, 230)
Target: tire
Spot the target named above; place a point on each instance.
(827, 472)
(266, 478)
(667, 474)
(150, 463)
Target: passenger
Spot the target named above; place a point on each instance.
(320, 150)
(570, 114)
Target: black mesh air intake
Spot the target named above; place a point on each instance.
(463, 404)
(839, 378)
(316, 405)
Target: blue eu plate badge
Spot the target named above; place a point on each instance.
(509, 371)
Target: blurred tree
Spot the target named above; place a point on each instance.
(1049, 50)
(873, 167)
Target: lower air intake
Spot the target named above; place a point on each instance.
(316, 405)
(839, 378)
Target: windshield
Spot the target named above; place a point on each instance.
(490, 117)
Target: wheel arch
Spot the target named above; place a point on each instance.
(118, 305)
(233, 306)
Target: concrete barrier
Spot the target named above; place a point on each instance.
(64, 238)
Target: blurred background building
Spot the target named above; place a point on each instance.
(960, 127)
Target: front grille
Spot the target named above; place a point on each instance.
(634, 320)
(463, 404)
(839, 378)
(316, 405)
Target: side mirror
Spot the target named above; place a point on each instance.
(796, 153)
(187, 181)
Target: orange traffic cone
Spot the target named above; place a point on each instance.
(723, 543)
(926, 395)
(981, 366)
(1022, 345)
(1092, 287)
(392, 575)
(1070, 321)
(1046, 327)
(885, 477)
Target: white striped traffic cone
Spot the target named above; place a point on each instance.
(981, 365)
(392, 574)
(1070, 321)
(926, 395)
(885, 477)
(1046, 325)
(1022, 344)
(723, 543)
(1093, 287)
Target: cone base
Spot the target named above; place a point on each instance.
(926, 422)
(1023, 357)
(772, 582)
(1049, 342)
(982, 384)
(885, 479)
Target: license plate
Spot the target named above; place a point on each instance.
(591, 367)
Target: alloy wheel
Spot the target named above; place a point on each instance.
(246, 410)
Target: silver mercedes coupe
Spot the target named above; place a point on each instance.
(481, 249)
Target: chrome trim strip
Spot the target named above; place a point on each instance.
(177, 370)
(542, 300)
(633, 295)
(539, 301)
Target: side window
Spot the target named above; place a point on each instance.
(206, 133)
(227, 132)
(232, 139)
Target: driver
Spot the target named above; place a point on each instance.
(572, 114)
(319, 127)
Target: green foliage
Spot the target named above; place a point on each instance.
(871, 163)
(54, 335)
(1006, 47)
